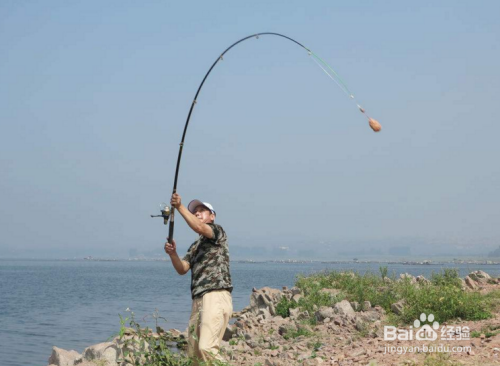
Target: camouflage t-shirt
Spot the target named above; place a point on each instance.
(209, 262)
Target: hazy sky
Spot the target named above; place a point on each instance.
(94, 96)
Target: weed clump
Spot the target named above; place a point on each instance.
(284, 306)
(142, 347)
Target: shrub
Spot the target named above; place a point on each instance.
(284, 306)
(383, 271)
(449, 276)
(446, 301)
(147, 348)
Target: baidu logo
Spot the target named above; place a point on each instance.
(425, 332)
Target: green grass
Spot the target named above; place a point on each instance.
(440, 359)
(315, 345)
(493, 300)
(488, 331)
(444, 301)
(442, 295)
(475, 334)
(284, 306)
(300, 331)
(354, 287)
(448, 276)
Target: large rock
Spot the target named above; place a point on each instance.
(228, 333)
(175, 333)
(355, 305)
(272, 309)
(398, 307)
(370, 315)
(344, 308)
(61, 357)
(296, 298)
(422, 280)
(107, 351)
(323, 313)
(264, 298)
(480, 276)
(294, 313)
(470, 283)
(408, 277)
(265, 313)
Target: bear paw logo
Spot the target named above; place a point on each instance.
(427, 332)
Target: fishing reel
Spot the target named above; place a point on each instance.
(165, 213)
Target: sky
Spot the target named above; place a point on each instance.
(94, 97)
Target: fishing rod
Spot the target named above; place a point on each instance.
(168, 213)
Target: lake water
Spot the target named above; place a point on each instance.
(75, 304)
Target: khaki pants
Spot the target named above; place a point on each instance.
(210, 315)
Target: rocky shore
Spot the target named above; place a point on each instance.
(342, 333)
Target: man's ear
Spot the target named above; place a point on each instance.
(212, 217)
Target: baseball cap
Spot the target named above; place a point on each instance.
(195, 203)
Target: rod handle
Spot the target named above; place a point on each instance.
(171, 227)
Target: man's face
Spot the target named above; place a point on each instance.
(204, 214)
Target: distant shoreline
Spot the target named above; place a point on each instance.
(285, 261)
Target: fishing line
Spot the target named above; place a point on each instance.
(319, 61)
(337, 78)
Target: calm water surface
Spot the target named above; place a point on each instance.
(74, 304)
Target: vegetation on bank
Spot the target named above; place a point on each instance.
(140, 346)
(442, 295)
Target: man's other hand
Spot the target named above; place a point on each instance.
(170, 249)
(175, 201)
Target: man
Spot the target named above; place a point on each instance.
(208, 259)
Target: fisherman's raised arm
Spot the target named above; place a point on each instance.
(193, 221)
